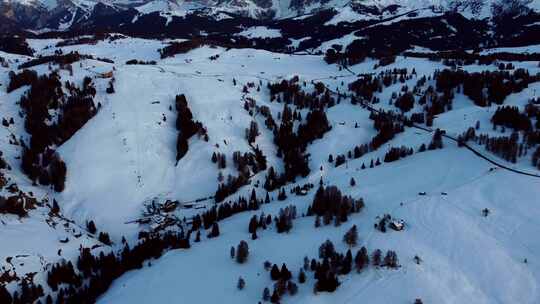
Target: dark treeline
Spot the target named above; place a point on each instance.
(18, 204)
(387, 124)
(475, 58)
(141, 62)
(60, 59)
(332, 205)
(290, 92)
(181, 47)
(292, 144)
(93, 275)
(498, 84)
(396, 153)
(246, 164)
(366, 86)
(15, 45)
(17, 80)
(187, 126)
(225, 210)
(39, 160)
(511, 117)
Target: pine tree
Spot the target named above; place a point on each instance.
(241, 283)
(292, 288)
(285, 274)
(376, 257)
(242, 252)
(275, 274)
(362, 259)
(266, 294)
(233, 251)
(215, 231)
(351, 236)
(275, 297)
(55, 207)
(5, 296)
(91, 227)
(347, 263)
(104, 238)
(326, 250)
(253, 224)
(301, 276)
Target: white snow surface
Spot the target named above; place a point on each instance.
(125, 156)
(260, 32)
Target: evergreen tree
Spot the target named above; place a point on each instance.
(351, 236)
(242, 252)
(361, 259)
(215, 231)
(376, 257)
(266, 294)
(301, 276)
(275, 274)
(285, 274)
(5, 296)
(241, 283)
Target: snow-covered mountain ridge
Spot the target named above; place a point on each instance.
(53, 14)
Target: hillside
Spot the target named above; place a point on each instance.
(140, 162)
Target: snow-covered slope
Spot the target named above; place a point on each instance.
(124, 158)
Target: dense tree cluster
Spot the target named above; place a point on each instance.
(507, 147)
(283, 283)
(405, 102)
(468, 58)
(180, 47)
(15, 44)
(331, 204)
(332, 263)
(17, 204)
(366, 86)
(60, 59)
(290, 92)
(230, 186)
(252, 132)
(511, 117)
(396, 153)
(285, 218)
(387, 124)
(249, 163)
(39, 161)
(94, 274)
(28, 293)
(225, 210)
(292, 145)
(186, 125)
(17, 80)
(486, 87)
(140, 62)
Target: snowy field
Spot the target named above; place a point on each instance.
(125, 156)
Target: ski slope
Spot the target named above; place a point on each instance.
(125, 156)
